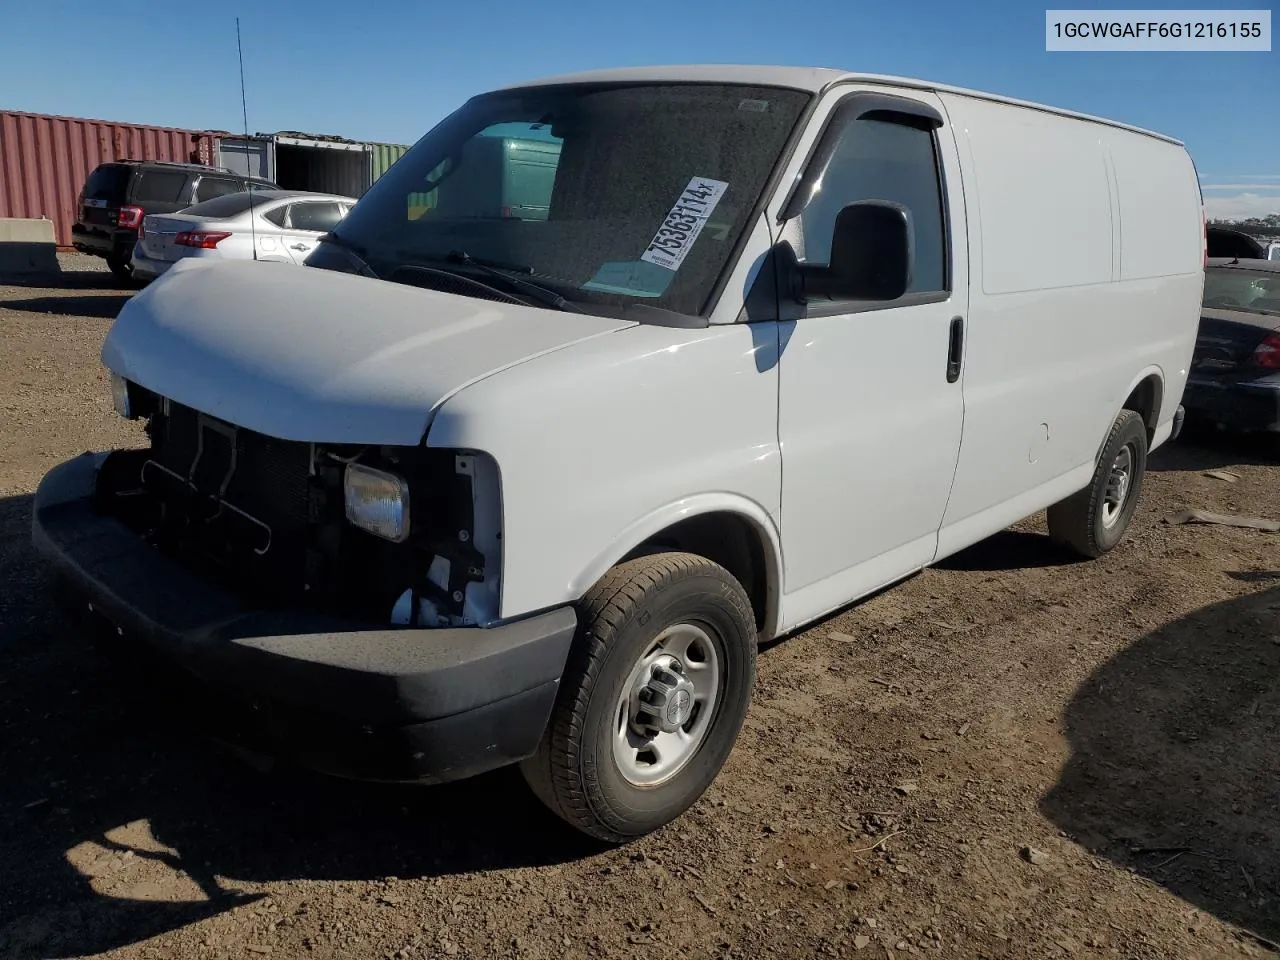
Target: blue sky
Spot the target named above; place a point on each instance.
(388, 70)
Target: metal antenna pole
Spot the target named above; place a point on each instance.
(244, 110)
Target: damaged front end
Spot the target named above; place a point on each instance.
(270, 518)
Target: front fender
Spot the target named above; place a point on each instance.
(613, 439)
(644, 529)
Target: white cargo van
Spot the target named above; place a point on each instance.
(477, 488)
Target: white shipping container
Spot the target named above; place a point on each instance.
(299, 162)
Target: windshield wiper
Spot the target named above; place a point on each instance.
(510, 274)
(454, 275)
(356, 252)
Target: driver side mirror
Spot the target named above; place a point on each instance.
(872, 248)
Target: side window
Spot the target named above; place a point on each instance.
(276, 216)
(881, 160)
(161, 186)
(210, 187)
(317, 217)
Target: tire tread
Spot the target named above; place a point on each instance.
(553, 771)
(1071, 520)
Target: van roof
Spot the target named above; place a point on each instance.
(812, 79)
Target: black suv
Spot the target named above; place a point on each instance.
(119, 194)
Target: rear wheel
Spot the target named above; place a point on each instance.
(1094, 520)
(652, 699)
(120, 266)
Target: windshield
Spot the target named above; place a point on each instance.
(1253, 291)
(610, 195)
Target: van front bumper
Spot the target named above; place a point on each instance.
(350, 699)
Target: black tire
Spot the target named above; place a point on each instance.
(574, 771)
(121, 267)
(1080, 522)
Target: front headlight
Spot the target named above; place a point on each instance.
(120, 396)
(377, 502)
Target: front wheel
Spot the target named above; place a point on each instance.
(652, 699)
(1094, 520)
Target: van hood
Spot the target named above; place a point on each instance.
(301, 353)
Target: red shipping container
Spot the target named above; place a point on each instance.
(44, 160)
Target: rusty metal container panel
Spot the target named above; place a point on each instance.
(44, 160)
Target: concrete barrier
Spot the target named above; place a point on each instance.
(27, 246)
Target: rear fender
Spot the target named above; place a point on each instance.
(1163, 426)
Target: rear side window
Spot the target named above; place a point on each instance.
(108, 182)
(210, 187)
(229, 206)
(881, 160)
(161, 186)
(315, 216)
(276, 216)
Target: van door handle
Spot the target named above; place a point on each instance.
(955, 349)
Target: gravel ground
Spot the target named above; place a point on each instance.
(1013, 755)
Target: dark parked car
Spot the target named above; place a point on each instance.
(1228, 242)
(1235, 371)
(117, 195)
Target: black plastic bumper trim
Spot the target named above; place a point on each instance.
(470, 697)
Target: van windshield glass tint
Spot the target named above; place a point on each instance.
(611, 195)
(107, 182)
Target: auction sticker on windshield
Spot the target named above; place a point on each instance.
(675, 238)
(632, 278)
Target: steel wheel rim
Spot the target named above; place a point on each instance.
(1119, 482)
(649, 759)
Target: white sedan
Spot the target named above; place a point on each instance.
(281, 226)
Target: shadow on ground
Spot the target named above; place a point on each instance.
(1010, 550)
(104, 306)
(1255, 576)
(89, 749)
(1175, 761)
(64, 280)
(1201, 448)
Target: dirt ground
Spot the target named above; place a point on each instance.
(1014, 755)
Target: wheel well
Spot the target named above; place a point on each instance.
(729, 540)
(1145, 400)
